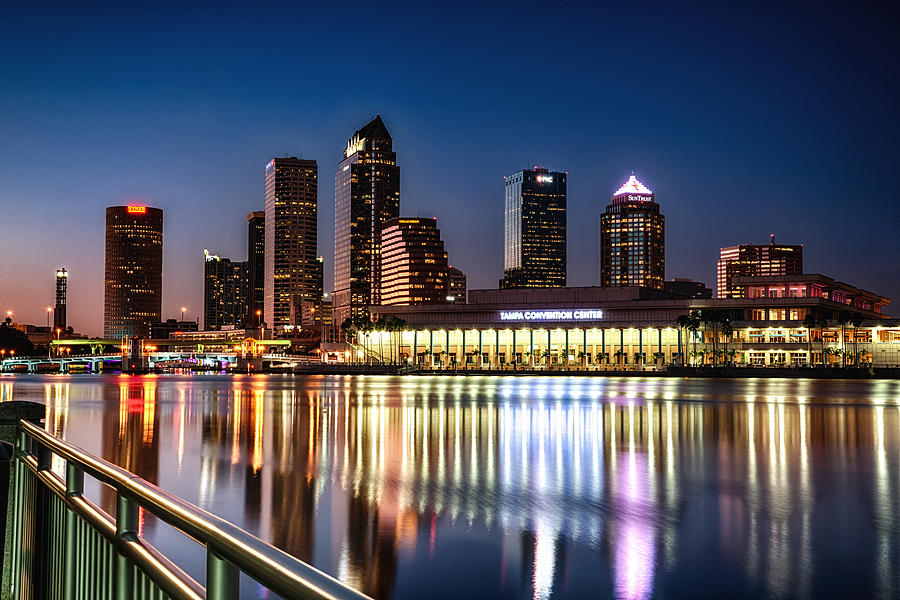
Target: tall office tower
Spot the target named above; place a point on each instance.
(456, 286)
(291, 261)
(414, 264)
(753, 260)
(366, 194)
(226, 292)
(133, 283)
(633, 239)
(256, 263)
(534, 236)
(59, 313)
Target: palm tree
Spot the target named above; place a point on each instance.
(856, 320)
(809, 322)
(843, 319)
(691, 322)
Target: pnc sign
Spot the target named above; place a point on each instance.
(551, 315)
(137, 210)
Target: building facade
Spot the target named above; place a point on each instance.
(291, 237)
(414, 264)
(59, 311)
(534, 231)
(598, 328)
(456, 286)
(633, 239)
(133, 271)
(755, 260)
(256, 265)
(226, 292)
(366, 195)
(688, 288)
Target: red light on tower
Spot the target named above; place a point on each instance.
(137, 210)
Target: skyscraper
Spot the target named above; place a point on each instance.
(226, 291)
(414, 264)
(366, 194)
(633, 239)
(256, 264)
(755, 260)
(456, 286)
(291, 238)
(133, 282)
(59, 312)
(534, 236)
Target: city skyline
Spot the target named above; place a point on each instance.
(732, 166)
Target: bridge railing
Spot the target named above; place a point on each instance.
(65, 546)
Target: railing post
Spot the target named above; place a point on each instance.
(126, 529)
(222, 577)
(42, 526)
(74, 488)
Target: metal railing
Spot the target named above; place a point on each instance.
(65, 546)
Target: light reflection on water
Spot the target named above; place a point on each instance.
(519, 487)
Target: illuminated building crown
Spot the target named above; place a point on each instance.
(633, 186)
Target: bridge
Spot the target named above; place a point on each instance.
(214, 353)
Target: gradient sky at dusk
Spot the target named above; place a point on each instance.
(745, 121)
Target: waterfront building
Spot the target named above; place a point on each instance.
(226, 292)
(133, 279)
(414, 263)
(256, 265)
(633, 239)
(688, 288)
(598, 328)
(366, 195)
(755, 260)
(456, 288)
(315, 315)
(291, 237)
(59, 311)
(534, 231)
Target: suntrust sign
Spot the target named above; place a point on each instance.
(550, 315)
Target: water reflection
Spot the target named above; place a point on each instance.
(521, 487)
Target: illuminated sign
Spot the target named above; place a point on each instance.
(550, 315)
(137, 210)
(544, 179)
(638, 198)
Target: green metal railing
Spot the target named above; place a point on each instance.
(65, 546)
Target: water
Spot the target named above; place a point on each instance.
(518, 487)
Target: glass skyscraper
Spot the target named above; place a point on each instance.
(133, 282)
(633, 239)
(366, 195)
(534, 239)
(225, 292)
(291, 238)
(256, 264)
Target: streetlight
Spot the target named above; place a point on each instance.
(49, 310)
(183, 310)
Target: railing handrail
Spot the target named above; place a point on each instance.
(277, 570)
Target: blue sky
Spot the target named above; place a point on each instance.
(745, 121)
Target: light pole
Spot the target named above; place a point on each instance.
(49, 310)
(183, 310)
(259, 322)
